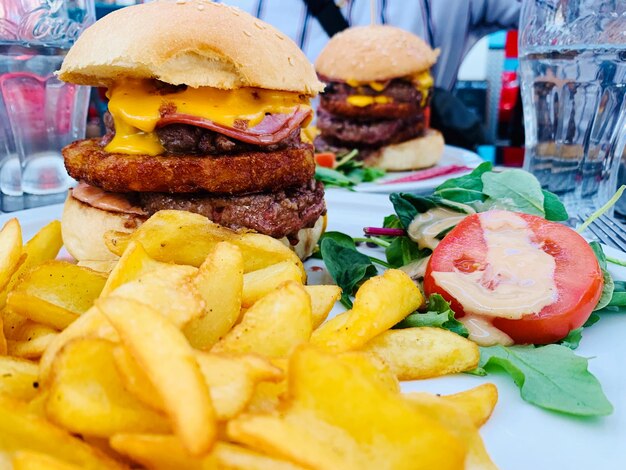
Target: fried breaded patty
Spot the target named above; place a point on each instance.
(248, 172)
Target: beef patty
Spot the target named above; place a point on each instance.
(242, 173)
(360, 134)
(277, 214)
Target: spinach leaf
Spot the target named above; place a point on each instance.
(438, 314)
(551, 377)
(608, 287)
(403, 250)
(618, 299)
(553, 207)
(467, 188)
(408, 206)
(347, 266)
(572, 340)
(515, 190)
(592, 320)
(348, 172)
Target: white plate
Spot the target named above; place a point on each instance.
(519, 435)
(451, 156)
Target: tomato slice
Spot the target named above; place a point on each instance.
(577, 276)
(326, 159)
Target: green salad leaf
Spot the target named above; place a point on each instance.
(551, 377)
(572, 340)
(438, 314)
(348, 172)
(516, 190)
(609, 285)
(467, 188)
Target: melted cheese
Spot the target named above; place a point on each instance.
(136, 109)
(423, 82)
(364, 100)
(518, 278)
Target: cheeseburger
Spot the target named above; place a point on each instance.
(378, 88)
(206, 106)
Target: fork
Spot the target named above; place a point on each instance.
(608, 231)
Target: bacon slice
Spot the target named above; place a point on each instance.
(272, 129)
(101, 199)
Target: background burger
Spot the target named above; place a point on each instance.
(378, 88)
(206, 107)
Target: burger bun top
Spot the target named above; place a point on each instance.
(189, 42)
(374, 53)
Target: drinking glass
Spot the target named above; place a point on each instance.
(39, 114)
(573, 79)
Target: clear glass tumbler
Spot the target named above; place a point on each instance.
(39, 114)
(573, 79)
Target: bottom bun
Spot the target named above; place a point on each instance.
(413, 154)
(83, 228)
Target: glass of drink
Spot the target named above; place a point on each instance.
(573, 79)
(39, 114)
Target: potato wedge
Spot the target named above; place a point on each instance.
(159, 452)
(236, 457)
(28, 460)
(133, 264)
(55, 293)
(91, 324)
(421, 353)
(3, 340)
(330, 422)
(135, 379)
(169, 361)
(371, 365)
(44, 246)
(323, 299)
(23, 431)
(169, 290)
(10, 251)
(257, 284)
(30, 349)
(273, 326)
(18, 378)
(381, 302)
(185, 238)
(87, 396)
(219, 282)
(11, 323)
(232, 380)
(459, 423)
(477, 402)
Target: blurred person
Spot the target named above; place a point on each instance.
(452, 26)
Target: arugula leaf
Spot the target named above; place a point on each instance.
(347, 266)
(403, 250)
(438, 315)
(551, 377)
(516, 190)
(467, 188)
(572, 340)
(331, 177)
(609, 285)
(553, 207)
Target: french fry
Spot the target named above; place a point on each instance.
(329, 422)
(421, 353)
(30, 349)
(185, 238)
(10, 251)
(232, 380)
(257, 284)
(136, 380)
(91, 324)
(11, 322)
(27, 460)
(18, 378)
(459, 423)
(371, 365)
(380, 303)
(323, 299)
(169, 361)
(169, 290)
(219, 282)
(236, 457)
(55, 293)
(23, 431)
(477, 402)
(133, 264)
(3, 340)
(87, 396)
(159, 452)
(273, 326)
